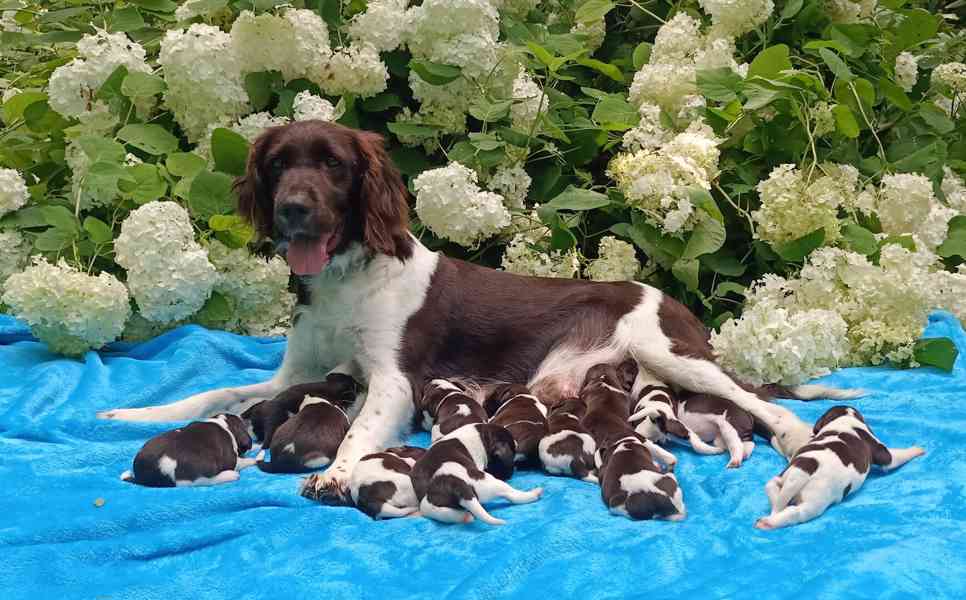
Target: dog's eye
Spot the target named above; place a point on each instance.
(333, 161)
(277, 166)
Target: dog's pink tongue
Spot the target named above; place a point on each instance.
(308, 257)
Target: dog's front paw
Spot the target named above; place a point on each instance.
(764, 523)
(327, 489)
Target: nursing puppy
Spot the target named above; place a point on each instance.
(464, 469)
(201, 453)
(568, 448)
(608, 412)
(310, 439)
(632, 484)
(265, 417)
(831, 466)
(446, 407)
(655, 417)
(513, 406)
(721, 422)
(381, 485)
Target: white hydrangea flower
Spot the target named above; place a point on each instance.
(296, 44)
(308, 106)
(13, 191)
(649, 133)
(439, 20)
(824, 119)
(595, 33)
(528, 101)
(904, 202)
(169, 274)
(907, 70)
(256, 287)
(355, 70)
(954, 189)
(512, 183)
(678, 40)
(849, 11)
(385, 24)
(516, 8)
(191, 9)
(204, 78)
(616, 261)
(9, 93)
(67, 309)
(251, 126)
(451, 204)
(951, 75)
(14, 250)
(792, 206)
(522, 258)
(737, 17)
(664, 84)
(72, 87)
(529, 226)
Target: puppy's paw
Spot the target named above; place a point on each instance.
(764, 523)
(326, 489)
(917, 451)
(734, 463)
(669, 467)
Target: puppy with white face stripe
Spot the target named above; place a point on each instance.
(381, 485)
(831, 466)
(205, 452)
(445, 407)
(655, 417)
(463, 470)
(512, 406)
(311, 438)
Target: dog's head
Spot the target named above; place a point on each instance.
(316, 188)
(501, 394)
(238, 430)
(836, 412)
(501, 450)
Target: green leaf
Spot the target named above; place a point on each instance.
(729, 287)
(702, 199)
(486, 141)
(126, 19)
(435, 73)
(955, 243)
(917, 161)
(59, 217)
(615, 114)
(14, 107)
(642, 54)
(381, 102)
(142, 85)
(210, 194)
(797, 250)
(792, 8)
(161, 6)
(99, 231)
(485, 110)
(936, 352)
(860, 239)
(412, 129)
(770, 62)
(54, 240)
(936, 118)
(916, 27)
(836, 64)
(260, 87)
(40, 118)
(895, 94)
(25, 218)
(601, 67)
(592, 11)
(665, 250)
(720, 84)
(232, 230)
(152, 139)
(758, 96)
(216, 310)
(707, 237)
(846, 92)
(546, 57)
(845, 121)
(686, 271)
(725, 264)
(99, 149)
(147, 185)
(185, 164)
(230, 151)
(574, 198)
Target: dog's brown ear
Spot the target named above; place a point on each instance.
(677, 428)
(385, 211)
(254, 202)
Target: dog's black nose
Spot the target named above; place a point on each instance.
(292, 215)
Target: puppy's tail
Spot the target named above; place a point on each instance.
(476, 509)
(128, 476)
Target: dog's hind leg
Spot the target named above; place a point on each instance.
(900, 456)
(491, 487)
(814, 502)
(230, 399)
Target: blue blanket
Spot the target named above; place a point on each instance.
(901, 535)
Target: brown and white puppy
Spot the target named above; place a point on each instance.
(720, 422)
(201, 453)
(632, 484)
(513, 406)
(463, 470)
(608, 411)
(655, 417)
(568, 448)
(265, 417)
(381, 485)
(447, 407)
(831, 466)
(310, 439)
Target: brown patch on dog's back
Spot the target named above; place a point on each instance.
(688, 335)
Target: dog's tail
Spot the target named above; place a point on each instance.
(809, 392)
(128, 476)
(476, 509)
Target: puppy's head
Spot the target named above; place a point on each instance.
(500, 394)
(238, 430)
(836, 412)
(500, 448)
(654, 505)
(407, 452)
(627, 371)
(255, 418)
(605, 373)
(344, 388)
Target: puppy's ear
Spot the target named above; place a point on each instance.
(239, 431)
(830, 415)
(254, 200)
(500, 451)
(385, 206)
(677, 428)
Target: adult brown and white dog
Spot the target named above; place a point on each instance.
(377, 304)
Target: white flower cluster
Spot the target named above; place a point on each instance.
(14, 250)
(296, 44)
(512, 183)
(523, 257)
(792, 205)
(13, 191)
(204, 78)
(658, 182)
(737, 17)
(905, 204)
(356, 70)
(954, 190)
(451, 204)
(952, 75)
(72, 87)
(907, 70)
(70, 311)
(191, 9)
(384, 24)
(850, 11)
(168, 273)
(616, 261)
(594, 33)
(649, 134)
(680, 50)
(307, 106)
(528, 101)
(256, 287)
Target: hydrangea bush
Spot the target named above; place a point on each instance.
(792, 170)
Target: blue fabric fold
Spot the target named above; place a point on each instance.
(902, 535)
